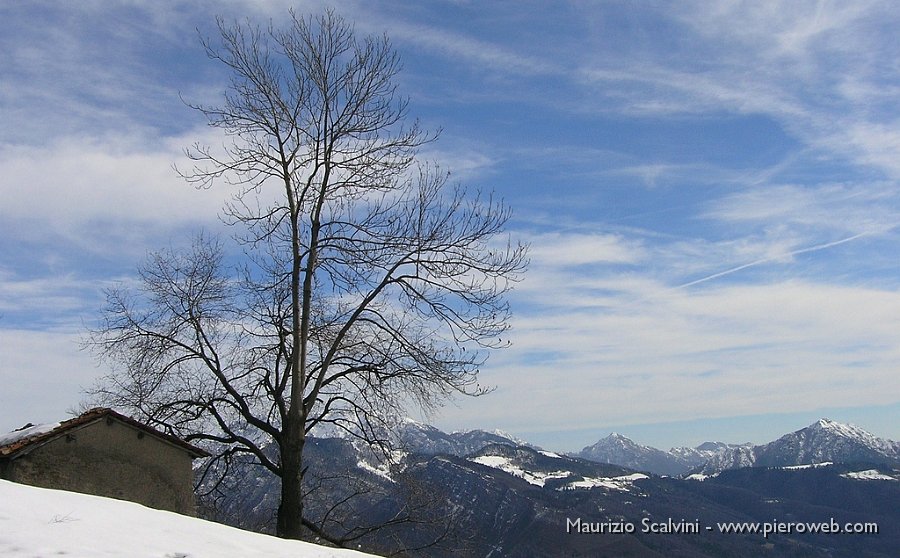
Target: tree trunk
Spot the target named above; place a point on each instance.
(290, 512)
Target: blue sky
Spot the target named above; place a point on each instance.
(710, 190)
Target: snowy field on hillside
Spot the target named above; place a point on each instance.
(40, 523)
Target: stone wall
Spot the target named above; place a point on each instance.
(110, 458)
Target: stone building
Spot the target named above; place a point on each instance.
(104, 453)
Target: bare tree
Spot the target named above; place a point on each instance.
(368, 283)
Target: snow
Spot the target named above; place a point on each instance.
(539, 478)
(495, 461)
(508, 436)
(869, 474)
(550, 454)
(632, 477)
(382, 467)
(808, 466)
(536, 478)
(16, 435)
(622, 483)
(853, 432)
(845, 430)
(37, 522)
(698, 477)
(381, 472)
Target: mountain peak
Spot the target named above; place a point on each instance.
(826, 441)
(828, 424)
(616, 440)
(621, 450)
(428, 440)
(843, 430)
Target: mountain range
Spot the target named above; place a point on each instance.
(481, 493)
(822, 441)
(620, 450)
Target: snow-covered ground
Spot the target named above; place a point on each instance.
(40, 523)
(623, 483)
(505, 464)
(539, 478)
(870, 474)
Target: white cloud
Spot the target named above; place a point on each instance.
(42, 374)
(791, 29)
(82, 68)
(464, 162)
(874, 143)
(43, 296)
(482, 53)
(734, 350)
(556, 249)
(818, 69)
(652, 174)
(672, 339)
(97, 192)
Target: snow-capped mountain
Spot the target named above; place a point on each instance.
(705, 451)
(428, 440)
(619, 450)
(827, 440)
(729, 457)
(822, 441)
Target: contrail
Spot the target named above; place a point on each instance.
(771, 258)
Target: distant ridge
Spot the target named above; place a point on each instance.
(617, 449)
(823, 441)
(425, 439)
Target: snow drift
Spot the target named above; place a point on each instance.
(38, 522)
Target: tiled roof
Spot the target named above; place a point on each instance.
(42, 435)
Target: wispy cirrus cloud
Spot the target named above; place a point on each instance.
(636, 351)
(486, 54)
(84, 71)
